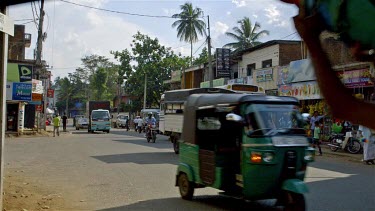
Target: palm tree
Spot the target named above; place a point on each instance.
(246, 35)
(189, 25)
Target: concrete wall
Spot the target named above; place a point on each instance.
(257, 57)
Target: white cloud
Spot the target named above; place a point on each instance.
(273, 14)
(239, 3)
(255, 16)
(220, 27)
(229, 13)
(78, 32)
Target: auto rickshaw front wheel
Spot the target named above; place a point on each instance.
(293, 201)
(186, 187)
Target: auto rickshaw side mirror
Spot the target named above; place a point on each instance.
(234, 118)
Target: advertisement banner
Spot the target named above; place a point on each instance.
(19, 72)
(22, 91)
(297, 71)
(264, 75)
(37, 86)
(9, 90)
(50, 93)
(39, 108)
(222, 63)
(35, 97)
(302, 91)
(356, 78)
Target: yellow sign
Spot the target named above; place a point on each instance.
(37, 97)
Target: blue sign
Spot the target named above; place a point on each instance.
(22, 91)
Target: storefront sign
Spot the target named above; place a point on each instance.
(297, 71)
(9, 90)
(37, 86)
(222, 63)
(264, 75)
(356, 78)
(39, 108)
(19, 73)
(302, 91)
(245, 80)
(36, 97)
(6, 24)
(22, 91)
(50, 93)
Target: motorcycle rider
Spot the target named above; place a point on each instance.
(150, 120)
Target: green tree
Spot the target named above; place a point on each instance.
(66, 90)
(155, 60)
(246, 35)
(99, 83)
(203, 57)
(189, 25)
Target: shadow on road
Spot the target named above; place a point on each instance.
(198, 203)
(140, 158)
(159, 144)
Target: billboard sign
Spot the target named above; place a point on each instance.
(22, 91)
(19, 72)
(50, 93)
(222, 63)
(264, 75)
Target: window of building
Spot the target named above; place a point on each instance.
(267, 63)
(250, 68)
(235, 75)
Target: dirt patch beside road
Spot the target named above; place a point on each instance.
(23, 193)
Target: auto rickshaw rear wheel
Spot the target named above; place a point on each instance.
(294, 201)
(186, 187)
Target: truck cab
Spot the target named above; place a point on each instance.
(100, 120)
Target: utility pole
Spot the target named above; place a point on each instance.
(41, 74)
(210, 73)
(3, 81)
(145, 93)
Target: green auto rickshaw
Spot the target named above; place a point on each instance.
(251, 147)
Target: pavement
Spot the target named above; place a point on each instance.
(121, 171)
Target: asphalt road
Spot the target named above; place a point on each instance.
(121, 171)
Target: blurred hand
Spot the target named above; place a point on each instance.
(309, 28)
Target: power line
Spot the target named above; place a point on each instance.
(288, 35)
(200, 47)
(32, 8)
(119, 12)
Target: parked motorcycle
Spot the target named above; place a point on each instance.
(151, 133)
(353, 145)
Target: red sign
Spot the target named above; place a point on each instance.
(50, 93)
(39, 107)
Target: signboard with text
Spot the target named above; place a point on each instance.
(264, 75)
(22, 91)
(19, 72)
(302, 91)
(222, 63)
(50, 93)
(356, 78)
(6, 24)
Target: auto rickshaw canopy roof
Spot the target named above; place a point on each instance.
(211, 101)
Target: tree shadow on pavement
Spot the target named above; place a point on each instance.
(198, 203)
(140, 158)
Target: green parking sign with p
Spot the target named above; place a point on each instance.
(19, 72)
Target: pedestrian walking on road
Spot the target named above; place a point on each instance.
(316, 141)
(315, 119)
(65, 121)
(368, 139)
(56, 125)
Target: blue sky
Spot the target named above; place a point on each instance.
(74, 31)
